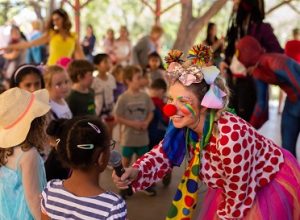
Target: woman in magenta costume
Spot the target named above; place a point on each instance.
(248, 176)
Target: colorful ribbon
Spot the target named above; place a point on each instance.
(186, 196)
(214, 96)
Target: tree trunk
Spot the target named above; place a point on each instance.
(157, 12)
(37, 9)
(77, 16)
(6, 6)
(51, 8)
(190, 27)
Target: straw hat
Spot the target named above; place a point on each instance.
(18, 109)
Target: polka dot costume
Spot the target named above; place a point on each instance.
(239, 161)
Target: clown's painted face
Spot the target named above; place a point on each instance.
(187, 105)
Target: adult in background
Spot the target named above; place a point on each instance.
(292, 49)
(88, 43)
(123, 47)
(216, 44)
(145, 46)
(62, 42)
(36, 55)
(247, 19)
(277, 69)
(109, 45)
(14, 57)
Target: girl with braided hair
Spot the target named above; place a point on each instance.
(83, 145)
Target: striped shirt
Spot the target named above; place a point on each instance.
(57, 203)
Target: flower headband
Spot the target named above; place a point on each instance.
(194, 71)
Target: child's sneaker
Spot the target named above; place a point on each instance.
(150, 191)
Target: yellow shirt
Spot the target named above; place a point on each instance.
(60, 47)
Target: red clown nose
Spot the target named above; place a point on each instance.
(169, 110)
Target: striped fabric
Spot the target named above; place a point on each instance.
(59, 204)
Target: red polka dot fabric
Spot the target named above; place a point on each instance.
(239, 161)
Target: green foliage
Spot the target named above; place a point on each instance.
(138, 18)
(112, 14)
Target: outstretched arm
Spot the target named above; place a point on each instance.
(152, 166)
(26, 44)
(12, 55)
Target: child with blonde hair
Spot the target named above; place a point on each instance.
(57, 83)
(22, 136)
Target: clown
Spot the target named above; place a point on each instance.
(242, 169)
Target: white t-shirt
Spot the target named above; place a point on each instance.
(123, 50)
(60, 110)
(104, 95)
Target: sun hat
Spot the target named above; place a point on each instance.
(18, 109)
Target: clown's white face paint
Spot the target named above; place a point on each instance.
(186, 102)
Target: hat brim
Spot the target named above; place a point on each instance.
(18, 133)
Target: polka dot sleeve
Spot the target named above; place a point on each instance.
(153, 166)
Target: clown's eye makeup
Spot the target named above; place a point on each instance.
(185, 100)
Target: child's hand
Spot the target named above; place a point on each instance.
(145, 125)
(137, 125)
(126, 179)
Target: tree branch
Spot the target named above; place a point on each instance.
(186, 10)
(216, 6)
(36, 8)
(68, 2)
(169, 7)
(294, 8)
(147, 4)
(84, 4)
(278, 6)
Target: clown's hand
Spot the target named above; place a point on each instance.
(126, 179)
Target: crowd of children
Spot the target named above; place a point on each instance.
(58, 122)
(78, 104)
